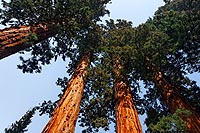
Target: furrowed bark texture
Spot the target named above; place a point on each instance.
(175, 100)
(125, 110)
(66, 113)
(15, 39)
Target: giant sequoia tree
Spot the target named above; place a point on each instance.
(178, 21)
(166, 55)
(125, 110)
(66, 113)
(33, 21)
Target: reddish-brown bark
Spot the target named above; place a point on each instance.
(125, 110)
(175, 100)
(66, 113)
(13, 40)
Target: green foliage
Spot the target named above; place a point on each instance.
(42, 54)
(191, 91)
(30, 38)
(47, 107)
(75, 23)
(133, 45)
(97, 106)
(22, 12)
(153, 104)
(180, 20)
(21, 125)
(171, 122)
(150, 43)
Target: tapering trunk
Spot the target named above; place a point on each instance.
(125, 110)
(15, 39)
(175, 100)
(66, 113)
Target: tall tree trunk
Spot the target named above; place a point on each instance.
(125, 110)
(66, 113)
(175, 100)
(14, 39)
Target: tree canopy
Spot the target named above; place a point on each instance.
(167, 44)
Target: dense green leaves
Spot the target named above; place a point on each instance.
(172, 123)
(180, 20)
(97, 107)
(75, 22)
(81, 12)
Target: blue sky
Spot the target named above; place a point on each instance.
(20, 92)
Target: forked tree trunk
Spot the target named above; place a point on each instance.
(66, 113)
(125, 110)
(15, 39)
(175, 100)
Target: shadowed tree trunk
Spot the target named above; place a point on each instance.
(15, 39)
(66, 113)
(125, 110)
(175, 100)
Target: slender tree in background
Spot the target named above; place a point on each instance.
(21, 125)
(97, 106)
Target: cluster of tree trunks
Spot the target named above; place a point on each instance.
(15, 39)
(64, 118)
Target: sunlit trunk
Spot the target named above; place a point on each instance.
(175, 100)
(125, 110)
(66, 113)
(15, 39)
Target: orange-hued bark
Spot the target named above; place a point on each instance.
(125, 110)
(14, 39)
(66, 113)
(175, 100)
